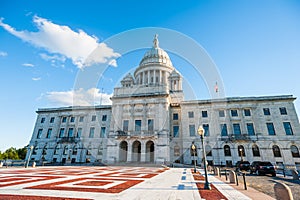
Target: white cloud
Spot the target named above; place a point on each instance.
(36, 78)
(58, 39)
(28, 65)
(80, 97)
(3, 54)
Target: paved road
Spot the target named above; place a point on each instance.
(266, 183)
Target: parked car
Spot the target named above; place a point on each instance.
(262, 167)
(242, 165)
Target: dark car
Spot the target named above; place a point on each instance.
(262, 167)
(242, 165)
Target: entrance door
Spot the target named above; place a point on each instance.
(136, 151)
(150, 151)
(123, 151)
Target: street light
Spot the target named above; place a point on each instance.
(31, 148)
(201, 132)
(194, 149)
(241, 154)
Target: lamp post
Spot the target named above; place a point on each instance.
(194, 149)
(241, 154)
(201, 132)
(31, 148)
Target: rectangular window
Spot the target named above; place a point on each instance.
(104, 118)
(283, 111)
(102, 133)
(224, 131)
(43, 120)
(92, 132)
(206, 129)
(64, 120)
(250, 129)
(49, 133)
(221, 113)
(288, 128)
(70, 132)
(138, 125)
(52, 119)
(234, 113)
(72, 119)
(39, 134)
(175, 131)
(266, 111)
(192, 130)
(204, 114)
(191, 114)
(271, 129)
(150, 124)
(81, 119)
(93, 118)
(125, 125)
(236, 129)
(247, 112)
(79, 131)
(61, 132)
(175, 116)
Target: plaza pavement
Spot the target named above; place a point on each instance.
(108, 183)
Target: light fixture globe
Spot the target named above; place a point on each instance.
(193, 147)
(201, 131)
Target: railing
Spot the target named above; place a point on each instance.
(121, 133)
(66, 140)
(236, 137)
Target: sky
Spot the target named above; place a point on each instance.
(44, 45)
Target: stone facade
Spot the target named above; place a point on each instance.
(150, 122)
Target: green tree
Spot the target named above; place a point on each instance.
(11, 153)
(22, 152)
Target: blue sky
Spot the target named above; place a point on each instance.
(43, 45)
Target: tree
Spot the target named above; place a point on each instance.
(22, 153)
(11, 153)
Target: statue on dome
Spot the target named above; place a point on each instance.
(155, 41)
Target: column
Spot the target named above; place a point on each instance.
(154, 76)
(129, 151)
(144, 81)
(143, 152)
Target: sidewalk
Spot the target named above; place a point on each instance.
(234, 192)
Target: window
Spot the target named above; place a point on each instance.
(227, 151)
(81, 119)
(295, 151)
(125, 125)
(176, 150)
(191, 114)
(276, 151)
(75, 150)
(192, 130)
(283, 111)
(93, 118)
(56, 150)
(204, 113)
(65, 150)
(236, 129)
(79, 131)
(221, 113)
(288, 128)
(247, 112)
(224, 131)
(70, 132)
(72, 119)
(43, 120)
(49, 133)
(150, 124)
(175, 116)
(102, 133)
(234, 113)
(64, 120)
(206, 129)
(266, 111)
(104, 118)
(61, 132)
(138, 125)
(175, 131)
(52, 119)
(250, 129)
(92, 132)
(271, 129)
(255, 151)
(39, 134)
(241, 150)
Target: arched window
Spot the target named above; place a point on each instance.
(276, 151)
(176, 150)
(66, 150)
(227, 151)
(75, 150)
(208, 150)
(56, 150)
(295, 151)
(241, 150)
(255, 151)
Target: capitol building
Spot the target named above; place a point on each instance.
(150, 122)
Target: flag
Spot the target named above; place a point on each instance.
(216, 88)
